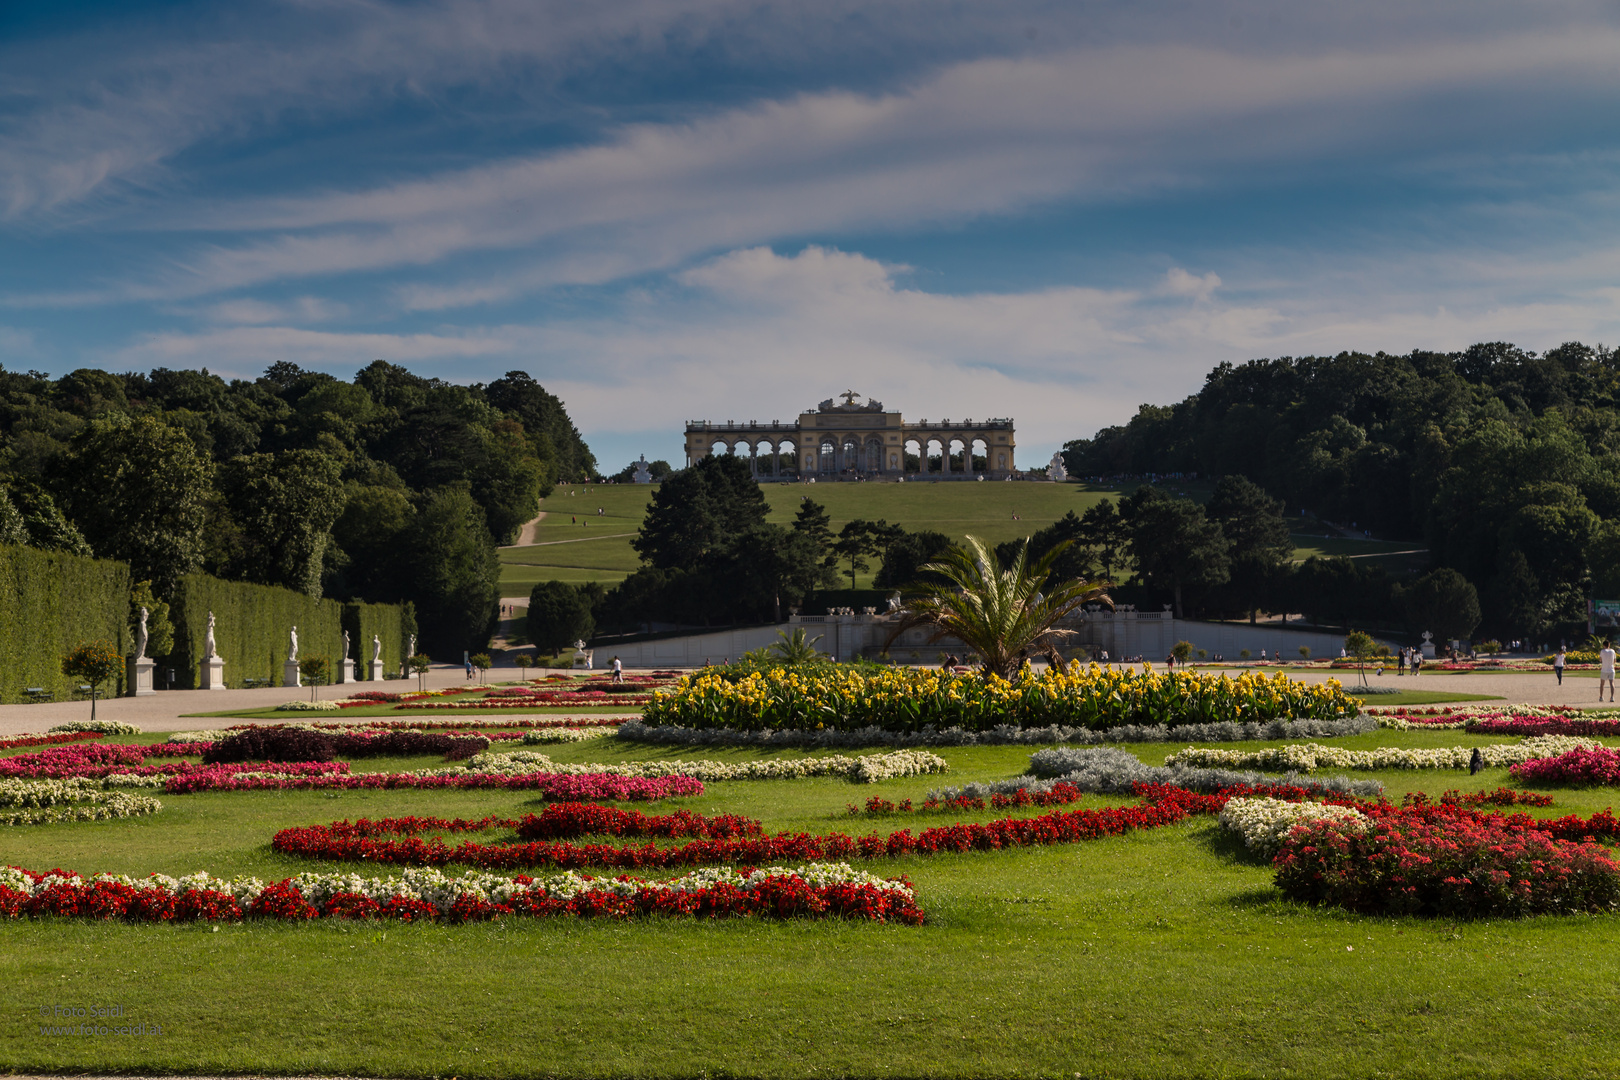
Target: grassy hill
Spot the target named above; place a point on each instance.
(575, 543)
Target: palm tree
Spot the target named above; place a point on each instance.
(999, 612)
(797, 649)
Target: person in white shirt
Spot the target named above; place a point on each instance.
(618, 670)
(1606, 670)
(1558, 665)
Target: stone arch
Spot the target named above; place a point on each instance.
(979, 454)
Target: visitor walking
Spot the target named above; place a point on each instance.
(618, 670)
(1606, 670)
(1558, 665)
(1417, 663)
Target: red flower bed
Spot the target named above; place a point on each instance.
(1596, 729)
(20, 741)
(1598, 767)
(465, 725)
(1165, 805)
(779, 896)
(561, 697)
(1451, 862)
(1500, 797)
(552, 786)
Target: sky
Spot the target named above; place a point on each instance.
(715, 209)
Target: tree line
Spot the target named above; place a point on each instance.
(1504, 463)
(387, 488)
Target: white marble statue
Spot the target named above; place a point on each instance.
(1056, 471)
(292, 645)
(209, 650)
(141, 637)
(376, 648)
(412, 650)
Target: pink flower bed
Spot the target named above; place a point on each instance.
(1580, 768)
(553, 787)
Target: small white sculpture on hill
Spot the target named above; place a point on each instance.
(292, 645)
(1055, 471)
(642, 475)
(209, 649)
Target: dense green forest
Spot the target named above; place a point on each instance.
(388, 488)
(1504, 463)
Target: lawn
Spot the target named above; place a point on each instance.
(575, 544)
(1164, 953)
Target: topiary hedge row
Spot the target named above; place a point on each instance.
(49, 603)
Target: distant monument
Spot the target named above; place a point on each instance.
(855, 440)
(376, 672)
(1055, 472)
(643, 474)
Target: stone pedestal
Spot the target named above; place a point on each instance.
(376, 671)
(139, 672)
(346, 671)
(289, 674)
(211, 674)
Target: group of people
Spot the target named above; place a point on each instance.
(1605, 667)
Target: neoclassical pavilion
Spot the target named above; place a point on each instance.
(852, 440)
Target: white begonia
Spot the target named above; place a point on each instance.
(1265, 823)
(869, 769)
(40, 802)
(1308, 757)
(564, 735)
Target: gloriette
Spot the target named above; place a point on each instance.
(853, 441)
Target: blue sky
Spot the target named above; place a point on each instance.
(731, 210)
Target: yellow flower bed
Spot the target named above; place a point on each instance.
(907, 699)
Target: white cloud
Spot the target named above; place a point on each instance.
(979, 137)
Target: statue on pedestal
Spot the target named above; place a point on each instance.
(209, 649)
(1056, 470)
(292, 645)
(376, 648)
(141, 637)
(345, 644)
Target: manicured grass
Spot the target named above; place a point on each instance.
(597, 548)
(1418, 697)
(1157, 954)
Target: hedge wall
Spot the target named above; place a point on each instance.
(251, 624)
(394, 623)
(49, 603)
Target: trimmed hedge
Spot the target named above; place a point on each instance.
(251, 625)
(51, 601)
(394, 623)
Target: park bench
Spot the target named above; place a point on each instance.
(39, 693)
(255, 683)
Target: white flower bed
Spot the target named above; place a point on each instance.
(106, 727)
(1308, 757)
(41, 802)
(212, 735)
(564, 735)
(308, 706)
(1265, 823)
(442, 890)
(859, 770)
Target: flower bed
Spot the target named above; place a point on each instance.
(561, 697)
(103, 727)
(17, 742)
(1597, 729)
(869, 769)
(40, 802)
(551, 786)
(1163, 806)
(1597, 766)
(1264, 823)
(1448, 862)
(564, 735)
(1404, 718)
(817, 890)
(1307, 757)
(1001, 735)
(906, 699)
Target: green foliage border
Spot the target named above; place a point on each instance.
(53, 601)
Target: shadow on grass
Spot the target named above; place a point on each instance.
(1228, 845)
